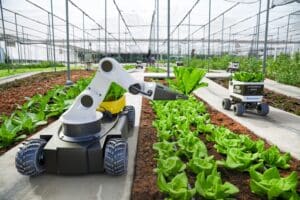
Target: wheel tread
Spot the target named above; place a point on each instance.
(26, 157)
(116, 156)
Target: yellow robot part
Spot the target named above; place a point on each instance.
(113, 107)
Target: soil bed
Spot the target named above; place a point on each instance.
(15, 93)
(277, 100)
(144, 183)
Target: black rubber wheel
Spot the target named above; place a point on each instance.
(29, 159)
(130, 115)
(226, 103)
(239, 109)
(116, 156)
(262, 109)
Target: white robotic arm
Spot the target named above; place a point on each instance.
(83, 110)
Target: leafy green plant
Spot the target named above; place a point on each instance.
(115, 92)
(28, 121)
(170, 167)
(190, 146)
(199, 165)
(164, 149)
(239, 160)
(272, 185)
(177, 188)
(187, 79)
(211, 186)
(36, 111)
(128, 67)
(248, 77)
(273, 158)
(8, 133)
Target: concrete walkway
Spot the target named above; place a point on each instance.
(287, 90)
(12, 78)
(57, 187)
(208, 75)
(278, 127)
(157, 75)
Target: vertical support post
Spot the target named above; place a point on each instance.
(48, 40)
(258, 29)
(233, 37)
(213, 45)
(125, 43)
(178, 42)
(105, 27)
(4, 35)
(287, 34)
(17, 35)
(157, 29)
(99, 39)
(277, 43)
(24, 45)
(222, 37)
(208, 50)
(69, 82)
(53, 36)
(203, 46)
(83, 36)
(119, 34)
(266, 37)
(168, 48)
(28, 52)
(189, 32)
(75, 59)
(229, 39)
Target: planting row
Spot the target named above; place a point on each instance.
(36, 111)
(284, 69)
(184, 168)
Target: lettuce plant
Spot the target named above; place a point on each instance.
(238, 160)
(211, 186)
(190, 146)
(198, 165)
(177, 188)
(115, 92)
(187, 79)
(270, 184)
(164, 149)
(273, 158)
(170, 167)
(248, 76)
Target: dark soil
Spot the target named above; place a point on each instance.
(144, 186)
(144, 182)
(240, 179)
(277, 100)
(16, 92)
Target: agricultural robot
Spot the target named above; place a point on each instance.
(246, 96)
(88, 141)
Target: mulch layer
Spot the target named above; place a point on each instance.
(277, 100)
(144, 183)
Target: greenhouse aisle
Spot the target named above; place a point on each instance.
(12, 78)
(94, 186)
(287, 90)
(279, 127)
